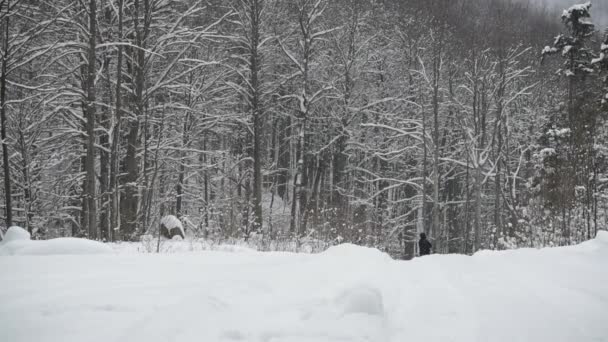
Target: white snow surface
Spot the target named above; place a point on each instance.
(347, 293)
(17, 242)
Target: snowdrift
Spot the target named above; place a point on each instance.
(347, 293)
(17, 242)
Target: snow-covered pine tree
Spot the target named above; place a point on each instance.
(569, 137)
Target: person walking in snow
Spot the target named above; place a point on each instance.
(424, 245)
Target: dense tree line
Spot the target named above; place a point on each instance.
(364, 121)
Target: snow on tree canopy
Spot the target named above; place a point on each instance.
(549, 50)
(578, 17)
(602, 63)
(572, 45)
(576, 12)
(559, 132)
(172, 223)
(547, 152)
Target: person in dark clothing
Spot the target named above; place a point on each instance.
(424, 245)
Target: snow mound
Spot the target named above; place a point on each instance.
(360, 299)
(62, 246)
(17, 242)
(602, 236)
(347, 250)
(599, 244)
(16, 233)
(346, 294)
(234, 249)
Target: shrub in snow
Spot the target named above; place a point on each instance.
(171, 226)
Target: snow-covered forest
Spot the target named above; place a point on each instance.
(481, 123)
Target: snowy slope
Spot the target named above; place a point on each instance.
(345, 294)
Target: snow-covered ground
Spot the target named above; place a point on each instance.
(347, 293)
(149, 244)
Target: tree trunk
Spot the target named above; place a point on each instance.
(90, 126)
(256, 111)
(3, 99)
(339, 163)
(114, 167)
(423, 211)
(104, 160)
(498, 132)
(130, 203)
(467, 225)
(206, 181)
(435, 226)
(179, 189)
(478, 185)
